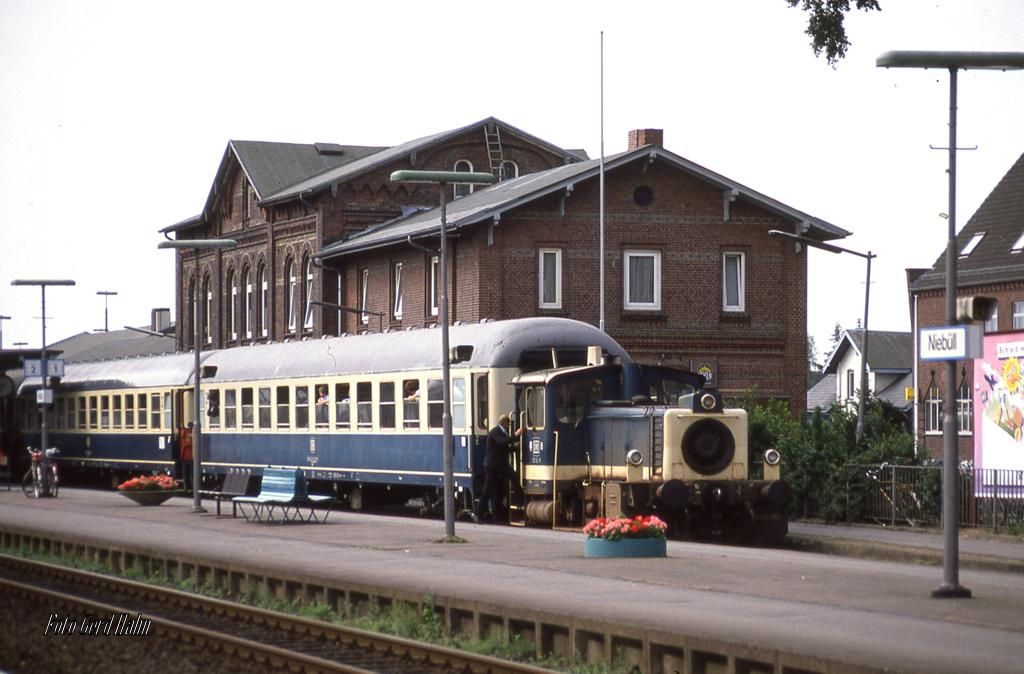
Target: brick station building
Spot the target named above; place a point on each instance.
(692, 278)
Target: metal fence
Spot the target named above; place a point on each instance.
(912, 496)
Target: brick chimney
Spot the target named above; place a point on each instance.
(641, 137)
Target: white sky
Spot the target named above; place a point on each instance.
(114, 116)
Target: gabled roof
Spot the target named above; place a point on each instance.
(1001, 218)
(887, 351)
(491, 202)
(388, 155)
(281, 172)
(822, 394)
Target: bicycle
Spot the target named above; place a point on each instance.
(41, 478)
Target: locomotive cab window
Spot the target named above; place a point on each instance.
(572, 398)
(531, 402)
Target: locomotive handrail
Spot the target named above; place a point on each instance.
(554, 487)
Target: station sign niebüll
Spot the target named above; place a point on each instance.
(953, 342)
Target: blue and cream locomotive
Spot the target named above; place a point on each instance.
(603, 436)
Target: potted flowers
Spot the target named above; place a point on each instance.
(640, 536)
(149, 490)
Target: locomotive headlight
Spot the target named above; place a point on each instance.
(708, 402)
(634, 457)
(772, 457)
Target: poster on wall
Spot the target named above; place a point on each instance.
(999, 404)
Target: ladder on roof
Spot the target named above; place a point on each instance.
(493, 138)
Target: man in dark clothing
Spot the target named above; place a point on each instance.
(499, 445)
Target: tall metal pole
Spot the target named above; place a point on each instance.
(197, 423)
(600, 206)
(861, 403)
(950, 456)
(2, 319)
(106, 307)
(446, 418)
(43, 439)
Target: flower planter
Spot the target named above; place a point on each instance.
(625, 547)
(151, 497)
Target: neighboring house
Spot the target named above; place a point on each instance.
(990, 262)
(890, 368)
(692, 278)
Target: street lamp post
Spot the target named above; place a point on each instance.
(443, 179)
(106, 316)
(952, 61)
(862, 397)
(45, 398)
(197, 434)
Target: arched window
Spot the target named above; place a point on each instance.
(307, 273)
(462, 189)
(247, 303)
(188, 322)
(509, 170)
(207, 309)
(290, 296)
(264, 301)
(233, 304)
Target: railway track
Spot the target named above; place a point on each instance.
(74, 603)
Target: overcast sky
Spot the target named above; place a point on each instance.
(114, 116)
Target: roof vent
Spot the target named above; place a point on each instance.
(329, 149)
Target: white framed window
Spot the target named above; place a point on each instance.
(364, 295)
(549, 275)
(307, 272)
(232, 305)
(290, 296)
(933, 411)
(964, 409)
(207, 311)
(509, 170)
(247, 304)
(851, 386)
(642, 279)
(396, 304)
(1018, 315)
(992, 324)
(264, 303)
(462, 189)
(733, 281)
(435, 274)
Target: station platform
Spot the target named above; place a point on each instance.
(844, 611)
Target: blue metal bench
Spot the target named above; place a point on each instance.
(283, 498)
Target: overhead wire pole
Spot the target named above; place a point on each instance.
(862, 393)
(106, 316)
(951, 61)
(2, 319)
(197, 423)
(600, 206)
(443, 179)
(44, 397)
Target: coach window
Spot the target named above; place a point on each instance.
(301, 407)
(248, 415)
(458, 403)
(60, 412)
(105, 412)
(435, 403)
(212, 406)
(80, 403)
(364, 405)
(481, 403)
(154, 411)
(411, 404)
(129, 411)
(323, 406)
(143, 413)
(168, 409)
(264, 412)
(117, 412)
(94, 414)
(283, 406)
(342, 405)
(387, 405)
(230, 409)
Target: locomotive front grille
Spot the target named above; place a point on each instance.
(708, 446)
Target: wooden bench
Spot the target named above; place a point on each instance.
(236, 483)
(283, 490)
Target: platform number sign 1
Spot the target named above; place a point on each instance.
(54, 367)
